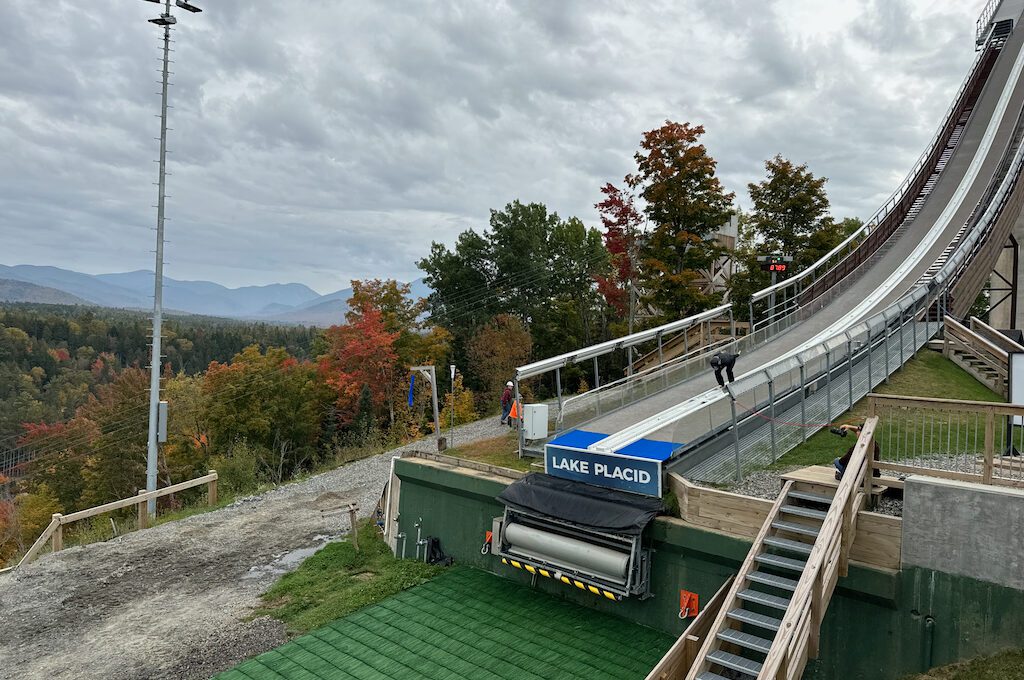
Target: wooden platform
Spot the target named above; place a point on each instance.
(824, 478)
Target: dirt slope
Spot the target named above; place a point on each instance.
(171, 601)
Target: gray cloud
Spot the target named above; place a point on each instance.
(318, 141)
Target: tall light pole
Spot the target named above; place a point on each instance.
(165, 20)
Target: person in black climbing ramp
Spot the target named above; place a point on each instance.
(724, 361)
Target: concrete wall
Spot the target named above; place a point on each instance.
(964, 529)
(880, 625)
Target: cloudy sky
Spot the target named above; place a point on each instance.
(318, 141)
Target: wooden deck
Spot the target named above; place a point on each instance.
(824, 478)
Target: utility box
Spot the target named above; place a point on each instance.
(535, 421)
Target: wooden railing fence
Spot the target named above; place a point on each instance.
(54, 532)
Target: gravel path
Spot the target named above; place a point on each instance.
(767, 483)
(171, 601)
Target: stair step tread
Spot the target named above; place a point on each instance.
(757, 597)
(811, 497)
(755, 619)
(810, 513)
(781, 562)
(746, 640)
(708, 675)
(795, 527)
(736, 663)
(772, 580)
(787, 544)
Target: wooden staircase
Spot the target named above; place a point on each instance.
(769, 622)
(980, 350)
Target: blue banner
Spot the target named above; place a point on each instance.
(625, 473)
(412, 384)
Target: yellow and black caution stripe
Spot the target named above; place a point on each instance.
(561, 577)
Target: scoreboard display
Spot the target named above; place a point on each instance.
(775, 263)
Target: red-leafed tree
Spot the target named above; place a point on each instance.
(621, 219)
(361, 352)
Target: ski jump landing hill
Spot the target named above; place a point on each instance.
(818, 341)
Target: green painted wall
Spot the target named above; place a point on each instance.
(879, 626)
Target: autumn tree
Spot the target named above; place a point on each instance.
(361, 353)
(686, 205)
(621, 220)
(494, 353)
(270, 401)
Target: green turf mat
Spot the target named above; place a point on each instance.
(466, 624)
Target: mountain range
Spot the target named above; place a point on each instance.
(278, 302)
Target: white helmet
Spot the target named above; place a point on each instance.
(508, 384)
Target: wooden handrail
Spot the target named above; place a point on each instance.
(740, 582)
(1003, 341)
(54, 531)
(680, 657)
(797, 636)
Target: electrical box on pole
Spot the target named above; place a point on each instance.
(161, 427)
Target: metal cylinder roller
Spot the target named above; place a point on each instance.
(569, 552)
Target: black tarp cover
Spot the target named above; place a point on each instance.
(589, 506)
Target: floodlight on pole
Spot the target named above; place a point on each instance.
(165, 20)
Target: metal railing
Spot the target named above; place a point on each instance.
(974, 441)
(984, 22)
(623, 392)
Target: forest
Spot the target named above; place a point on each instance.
(263, 403)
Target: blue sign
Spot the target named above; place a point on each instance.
(412, 384)
(612, 470)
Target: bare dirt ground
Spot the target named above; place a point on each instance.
(173, 601)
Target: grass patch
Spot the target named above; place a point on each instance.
(502, 451)
(927, 374)
(337, 581)
(1004, 666)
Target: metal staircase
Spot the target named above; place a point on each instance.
(769, 621)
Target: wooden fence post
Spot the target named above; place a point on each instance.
(143, 513)
(990, 445)
(211, 489)
(57, 540)
(352, 510)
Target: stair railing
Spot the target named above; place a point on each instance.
(798, 637)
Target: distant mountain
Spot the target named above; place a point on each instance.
(22, 291)
(204, 297)
(85, 286)
(291, 303)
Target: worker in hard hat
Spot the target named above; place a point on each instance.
(507, 397)
(724, 361)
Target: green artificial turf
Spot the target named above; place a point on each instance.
(467, 624)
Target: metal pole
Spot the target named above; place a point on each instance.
(885, 325)
(732, 323)
(902, 359)
(597, 376)
(153, 447)
(771, 398)
(849, 368)
(736, 441)
(828, 385)
(433, 399)
(661, 360)
(750, 319)
(871, 382)
(520, 420)
(558, 386)
(803, 402)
